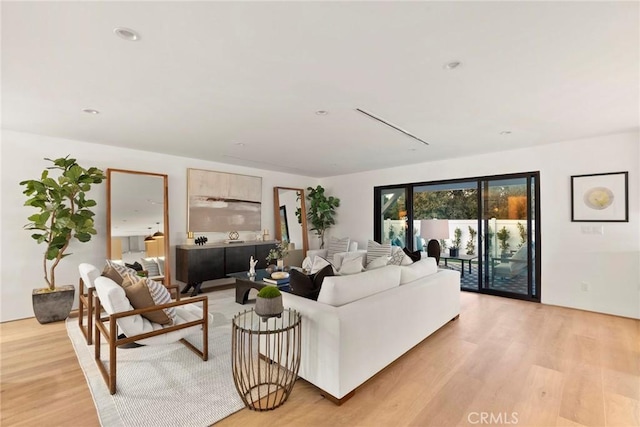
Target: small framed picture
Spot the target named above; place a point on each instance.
(600, 197)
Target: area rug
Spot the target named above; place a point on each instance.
(167, 385)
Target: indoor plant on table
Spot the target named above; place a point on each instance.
(63, 214)
(279, 253)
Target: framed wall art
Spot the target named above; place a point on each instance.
(600, 197)
(223, 202)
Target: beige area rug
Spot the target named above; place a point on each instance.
(167, 385)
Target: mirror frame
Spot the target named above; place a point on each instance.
(165, 179)
(303, 214)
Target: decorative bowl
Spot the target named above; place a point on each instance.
(277, 275)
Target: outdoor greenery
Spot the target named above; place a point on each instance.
(522, 230)
(63, 210)
(471, 243)
(461, 204)
(269, 292)
(322, 211)
(503, 236)
(457, 238)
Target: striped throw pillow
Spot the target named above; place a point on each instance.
(336, 246)
(151, 266)
(143, 292)
(376, 250)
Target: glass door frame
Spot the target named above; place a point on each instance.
(533, 207)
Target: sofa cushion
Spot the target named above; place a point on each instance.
(143, 293)
(340, 290)
(376, 250)
(417, 270)
(336, 246)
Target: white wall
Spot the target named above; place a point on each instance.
(22, 158)
(609, 263)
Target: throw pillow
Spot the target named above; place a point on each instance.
(318, 278)
(424, 267)
(112, 274)
(302, 285)
(318, 264)
(377, 250)
(136, 266)
(308, 286)
(351, 266)
(336, 246)
(415, 256)
(143, 293)
(121, 268)
(151, 266)
(397, 255)
(160, 260)
(378, 263)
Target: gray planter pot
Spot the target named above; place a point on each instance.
(53, 306)
(269, 307)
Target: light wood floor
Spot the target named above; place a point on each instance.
(523, 363)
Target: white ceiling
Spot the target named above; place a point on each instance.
(208, 76)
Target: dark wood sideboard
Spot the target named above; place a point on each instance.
(196, 264)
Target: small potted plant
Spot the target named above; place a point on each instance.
(279, 253)
(269, 302)
(457, 240)
(63, 213)
(503, 235)
(471, 243)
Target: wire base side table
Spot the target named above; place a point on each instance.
(265, 357)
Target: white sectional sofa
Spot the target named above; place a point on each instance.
(363, 322)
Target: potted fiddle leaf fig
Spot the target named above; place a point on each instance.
(322, 211)
(63, 213)
(269, 302)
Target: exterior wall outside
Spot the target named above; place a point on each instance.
(23, 158)
(609, 263)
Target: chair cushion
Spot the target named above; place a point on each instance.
(143, 292)
(88, 274)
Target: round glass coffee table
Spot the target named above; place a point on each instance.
(265, 357)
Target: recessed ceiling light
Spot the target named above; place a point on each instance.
(126, 34)
(90, 111)
(505, 132)
(452, 65)
(322, 112)
(239, 144)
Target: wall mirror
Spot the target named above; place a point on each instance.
(291, 216)
(138, 221)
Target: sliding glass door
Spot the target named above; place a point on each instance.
(508, 224)
(491, 221)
